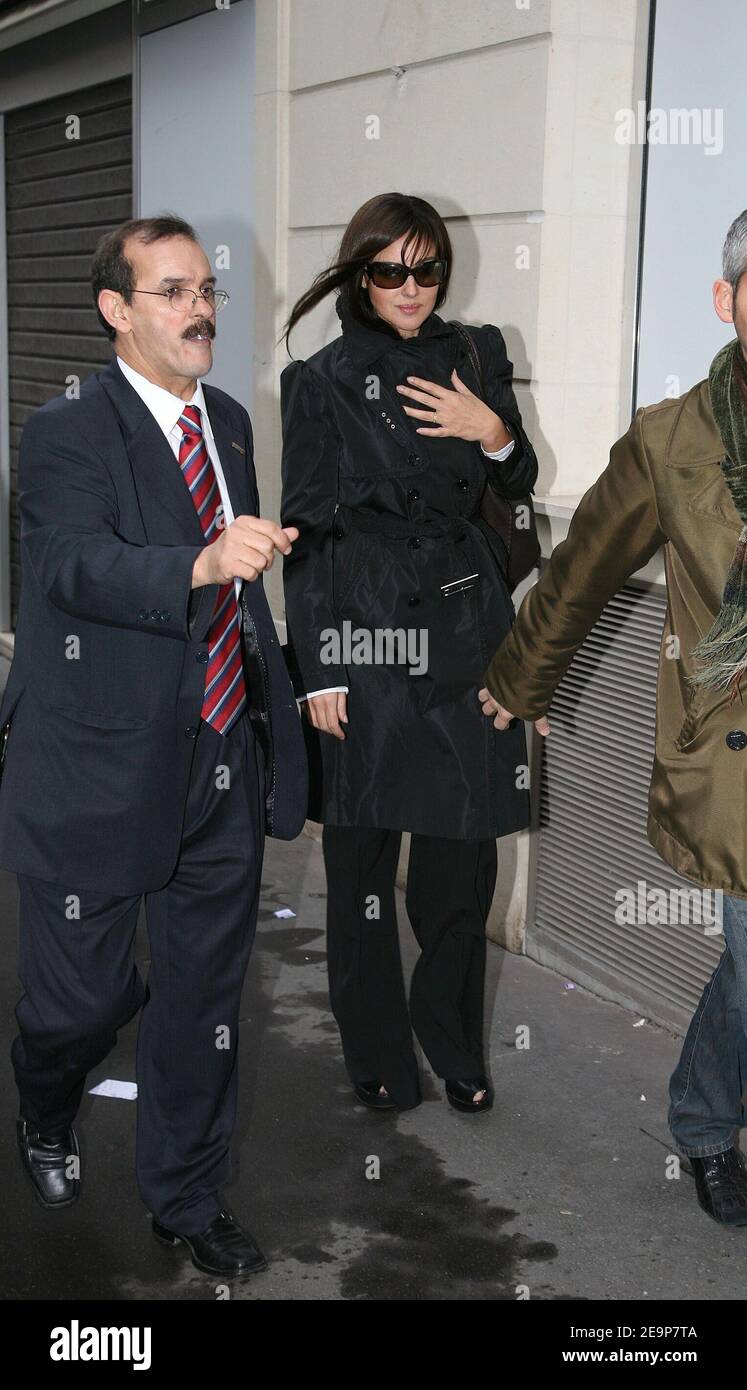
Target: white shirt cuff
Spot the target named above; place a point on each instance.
(327, 690)
(502, 453)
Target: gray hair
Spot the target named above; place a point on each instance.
(734, 254)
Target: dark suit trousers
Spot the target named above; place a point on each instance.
(81, 984)
(450, 885)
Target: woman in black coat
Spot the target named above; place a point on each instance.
(395, 600)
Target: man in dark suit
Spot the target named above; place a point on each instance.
(151, 739)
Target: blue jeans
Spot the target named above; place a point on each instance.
(706, 1087)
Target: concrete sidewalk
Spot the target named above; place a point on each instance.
(562, 1187)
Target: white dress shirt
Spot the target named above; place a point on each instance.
(501, 454)
(166, 410)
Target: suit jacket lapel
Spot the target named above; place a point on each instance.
(234, 462)
(167, 509)
(236, 469)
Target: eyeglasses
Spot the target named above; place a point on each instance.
(392, 275)
(184, 300)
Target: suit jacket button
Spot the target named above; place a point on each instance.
(338, 533)
(414, 542)
(736, 739)
(165, 617)
(413, 600)
(155, 615)
(464, 485)
(203, 657)
(413, 458)
(413, 495)
(191, 731)
(142, 615)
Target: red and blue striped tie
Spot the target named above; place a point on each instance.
(225, 691)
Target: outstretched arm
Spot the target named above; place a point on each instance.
(614, 531)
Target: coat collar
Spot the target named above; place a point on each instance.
(694, 436)
(363, 345)
(158, 479)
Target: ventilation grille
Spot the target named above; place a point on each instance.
(592, 841)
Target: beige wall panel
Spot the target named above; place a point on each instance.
(469, 132)
(336, 39)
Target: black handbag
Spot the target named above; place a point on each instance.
(521, 542)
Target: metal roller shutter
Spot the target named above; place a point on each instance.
(592, 813)
(61, 195)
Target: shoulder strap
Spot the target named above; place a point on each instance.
(472, 352)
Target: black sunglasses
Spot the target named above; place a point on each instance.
(392, 275)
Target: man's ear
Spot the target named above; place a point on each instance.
(723, 300)
(115, 310)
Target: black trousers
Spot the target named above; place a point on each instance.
(450, 885)
(81, 984)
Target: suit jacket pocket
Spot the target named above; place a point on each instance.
(98, 719)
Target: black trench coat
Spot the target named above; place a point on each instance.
(386, 518)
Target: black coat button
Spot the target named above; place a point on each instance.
(191, 731)
(414, 542)
(155, 615)
(736, 739)
(413, 458)
(338, 533)
(464, 484)
(413, 495)
(203, 658)
(413, 600)
(165, 617)
(143, 615)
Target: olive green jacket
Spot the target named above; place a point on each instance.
(663, 486)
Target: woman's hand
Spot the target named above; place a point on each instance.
(325, 711)
(459, 413)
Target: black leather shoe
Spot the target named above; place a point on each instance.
(721, 1185)
(369, 1092)
(222, 1248)
(46, 1160)
(461, 1094)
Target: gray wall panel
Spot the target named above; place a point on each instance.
(196, 140)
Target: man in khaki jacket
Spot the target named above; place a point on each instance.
(677, 479)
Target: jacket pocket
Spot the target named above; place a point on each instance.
(691, 721)
(346, 561)
(98, 719)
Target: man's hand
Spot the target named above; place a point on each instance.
(457, 413)
(242, 551)
(327, 711)
(503, 716)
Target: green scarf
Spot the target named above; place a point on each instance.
(721, 655)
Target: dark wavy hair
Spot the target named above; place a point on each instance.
(383, 219)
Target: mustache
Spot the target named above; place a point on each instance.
(201, 328)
